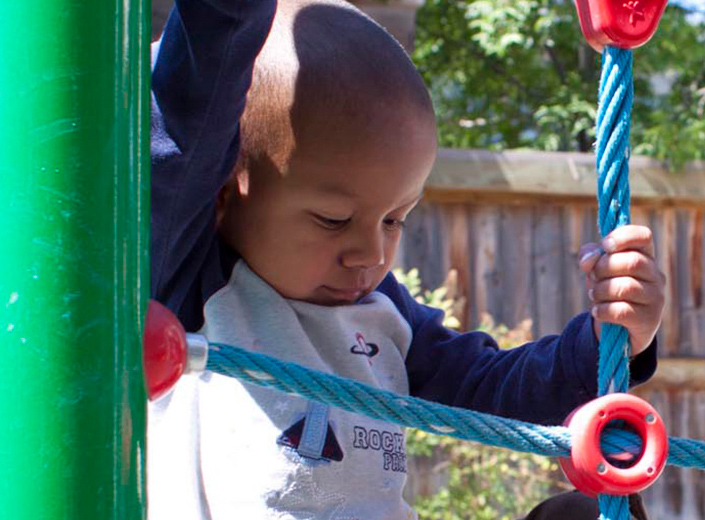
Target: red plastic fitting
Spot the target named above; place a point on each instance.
(589, 470)
(165, 352)
(168, 351)
(620, 23)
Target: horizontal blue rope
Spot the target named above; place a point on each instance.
(353, 396)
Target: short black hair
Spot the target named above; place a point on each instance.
(324, 58)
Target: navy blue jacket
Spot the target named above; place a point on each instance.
(200, 79)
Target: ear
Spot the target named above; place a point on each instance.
(242, 180)
(234, 188)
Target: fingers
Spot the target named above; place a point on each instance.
(635, 264)
(640, 320)
(626, 251)
(629, 277)
(589, 254)
(632, 303)
(624, 283)
(626, 289)
(630, 237)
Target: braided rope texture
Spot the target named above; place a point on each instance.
(614, 112)
(612, 151)
(353, 396)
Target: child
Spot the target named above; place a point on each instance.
(335, 145)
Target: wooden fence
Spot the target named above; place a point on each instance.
(512, 223)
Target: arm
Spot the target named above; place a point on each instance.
(539, 382)
(200, 80)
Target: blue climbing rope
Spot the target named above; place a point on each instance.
(612, 150)
(353, 396)
(616, 93)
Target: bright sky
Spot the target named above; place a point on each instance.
(697, 8)
(698, 5)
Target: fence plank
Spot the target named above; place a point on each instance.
(666, 256)
(485, 234)
(548, 273)
(515, 264)
(459, 247)
(574, 230)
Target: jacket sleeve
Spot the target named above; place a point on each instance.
(539, 382)
(200, 78)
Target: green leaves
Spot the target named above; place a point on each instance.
(446, 297)
(498, 25)
(480, 482)
(518, 74)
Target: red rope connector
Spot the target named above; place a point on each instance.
(164, 349)
(169, 351)
(589, 470)
(619, 23)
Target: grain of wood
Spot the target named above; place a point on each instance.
(485, 252)
(695, 238)
(515, 264)
(459, 249)
(548, 248)
(666, 256)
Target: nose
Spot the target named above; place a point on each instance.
(365, 251)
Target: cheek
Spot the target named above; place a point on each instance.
(390, 247)
(323, 253)
(390, 250)
(300, 251)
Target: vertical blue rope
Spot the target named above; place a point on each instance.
(612, 146)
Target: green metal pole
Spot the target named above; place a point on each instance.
(73, 257)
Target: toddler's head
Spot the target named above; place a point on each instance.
(337, 140)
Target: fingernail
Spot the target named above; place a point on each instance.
(587, 256)
(591, 295)
(609, 244)
(591, 254)
(593, 311)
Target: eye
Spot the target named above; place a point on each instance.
(394, 224)
(331, 223)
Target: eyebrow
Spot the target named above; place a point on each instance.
(332, 189)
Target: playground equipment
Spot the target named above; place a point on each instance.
(626, 25)
(74, 152)
(591, 445)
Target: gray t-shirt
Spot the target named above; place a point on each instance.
(223, 449)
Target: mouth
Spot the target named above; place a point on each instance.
(346, 294)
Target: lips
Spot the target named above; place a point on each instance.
(346, 294)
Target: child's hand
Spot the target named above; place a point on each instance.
(625, 284)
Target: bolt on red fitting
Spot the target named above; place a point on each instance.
(620, 23)
(589, 470)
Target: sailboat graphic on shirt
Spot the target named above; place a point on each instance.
(312, 437)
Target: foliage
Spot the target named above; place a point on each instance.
(445, 297)
(506, 338)
(482, 482)
(518, 74)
